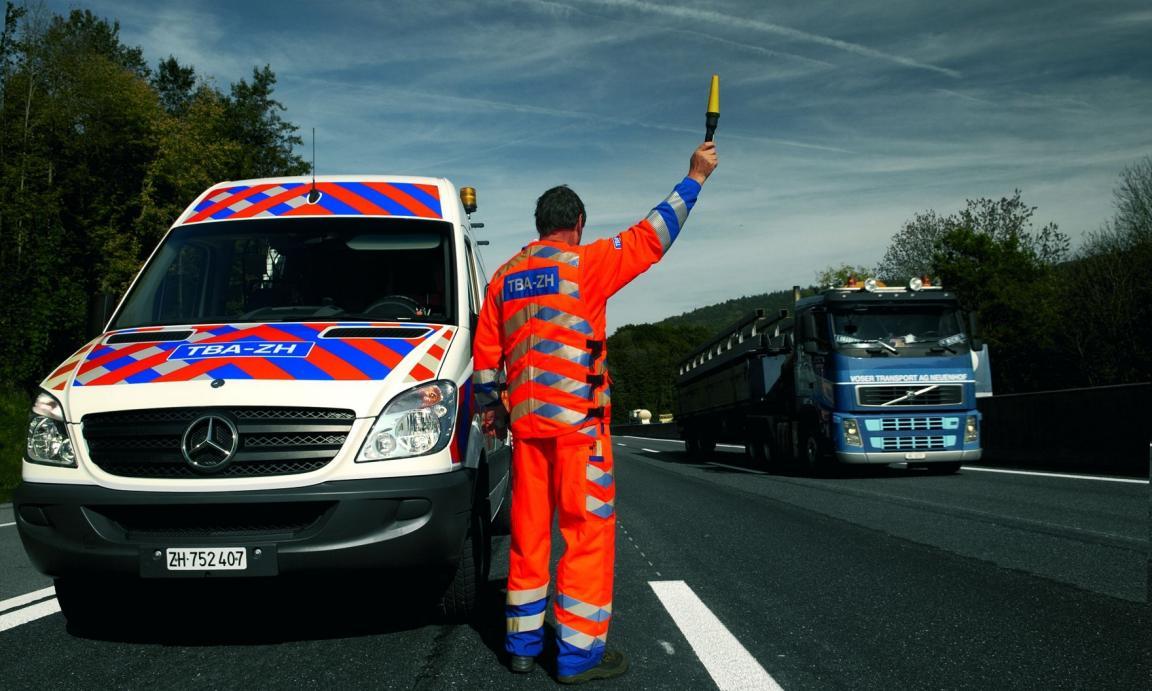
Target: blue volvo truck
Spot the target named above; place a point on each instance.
(859, 374)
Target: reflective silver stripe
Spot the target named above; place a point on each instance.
(551, 411)
(563, 351)
(678, 206)
(485, 376)
(519, 318)
(557, 255)
(569, 288)
(530, 622)
(600, 477)
(552, 380)
(603, 509)
(579, 639)
(583, 609)
(599, 448)
(565, 319)
(523, 597)
(661, 229)
(590, 431)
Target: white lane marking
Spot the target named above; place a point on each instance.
(1099, 478)
(629, 436)
(6, 525)
(650, 450)
(736, 467)
(619, 444)
(730, 446)
(30, 613)
(24, 599)
(727, 661)
(667, 647)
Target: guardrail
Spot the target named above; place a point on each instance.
(1106, 429)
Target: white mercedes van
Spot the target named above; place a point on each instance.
(284, 388)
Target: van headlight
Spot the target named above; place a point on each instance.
(48, 441)
(417, 422)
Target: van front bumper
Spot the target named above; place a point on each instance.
(380, 524)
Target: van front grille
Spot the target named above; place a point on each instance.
(269, 441)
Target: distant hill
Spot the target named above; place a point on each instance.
(713, 318)
(643, 357)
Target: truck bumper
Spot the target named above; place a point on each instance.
(884, 457)
(382, 524)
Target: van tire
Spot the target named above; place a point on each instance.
(96, 606)
(459, 601)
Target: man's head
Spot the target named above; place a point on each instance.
(559, 209)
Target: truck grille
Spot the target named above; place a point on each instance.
(913, 443)
(271, 441)
(906, 395)
(907, 424)
(213, 520)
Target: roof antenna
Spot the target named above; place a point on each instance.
(313, 194)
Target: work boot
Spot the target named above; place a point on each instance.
(613, 665)
(521, 664)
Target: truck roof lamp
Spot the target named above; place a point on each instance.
(468, 199)
(871, 284)
(915, 283)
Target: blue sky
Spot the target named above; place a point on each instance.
(839, 120)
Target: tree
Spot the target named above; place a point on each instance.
(911, 250)
(252, 119)
(1108, 317)
(840, 275)
(175, 84)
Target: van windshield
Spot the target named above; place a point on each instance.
(297, 269)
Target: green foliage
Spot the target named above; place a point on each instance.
(841, 274)
(643, 361)
(1107, 320)
(14, 407)
(713, 318)
(98, 156)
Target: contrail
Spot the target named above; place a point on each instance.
(728, 20)
(700, 34)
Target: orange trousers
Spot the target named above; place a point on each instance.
(570, 476)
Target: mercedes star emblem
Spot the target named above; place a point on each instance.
(210, 442)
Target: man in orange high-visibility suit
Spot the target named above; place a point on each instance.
(543, 322)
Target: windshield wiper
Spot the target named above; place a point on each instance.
(880, 342)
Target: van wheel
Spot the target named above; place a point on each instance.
(96, 605)
(459, 600)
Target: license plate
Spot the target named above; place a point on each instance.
(915, 456)
(206, 558)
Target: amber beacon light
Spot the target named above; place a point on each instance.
(713, 115)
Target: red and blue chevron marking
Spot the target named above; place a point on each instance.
(336, 198)
(327, 359)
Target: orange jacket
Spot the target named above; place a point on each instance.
(543, 320)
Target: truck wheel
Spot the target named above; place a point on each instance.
(707, 446)
(460, 598)
(692, 445)
(814, 458)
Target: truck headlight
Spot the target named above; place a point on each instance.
(48, 441)
(852, 433)
(417, 422)
(971, 430)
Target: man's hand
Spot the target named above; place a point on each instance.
(703, 162)
(494, 421)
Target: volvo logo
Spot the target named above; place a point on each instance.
(210, 442)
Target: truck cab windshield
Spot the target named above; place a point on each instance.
(297, 269)
(896, 329)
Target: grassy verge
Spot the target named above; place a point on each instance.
(13, 422)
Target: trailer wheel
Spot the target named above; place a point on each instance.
(761, 451)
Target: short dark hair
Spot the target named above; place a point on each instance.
(558, 208)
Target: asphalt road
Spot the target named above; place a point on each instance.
(879, 580)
